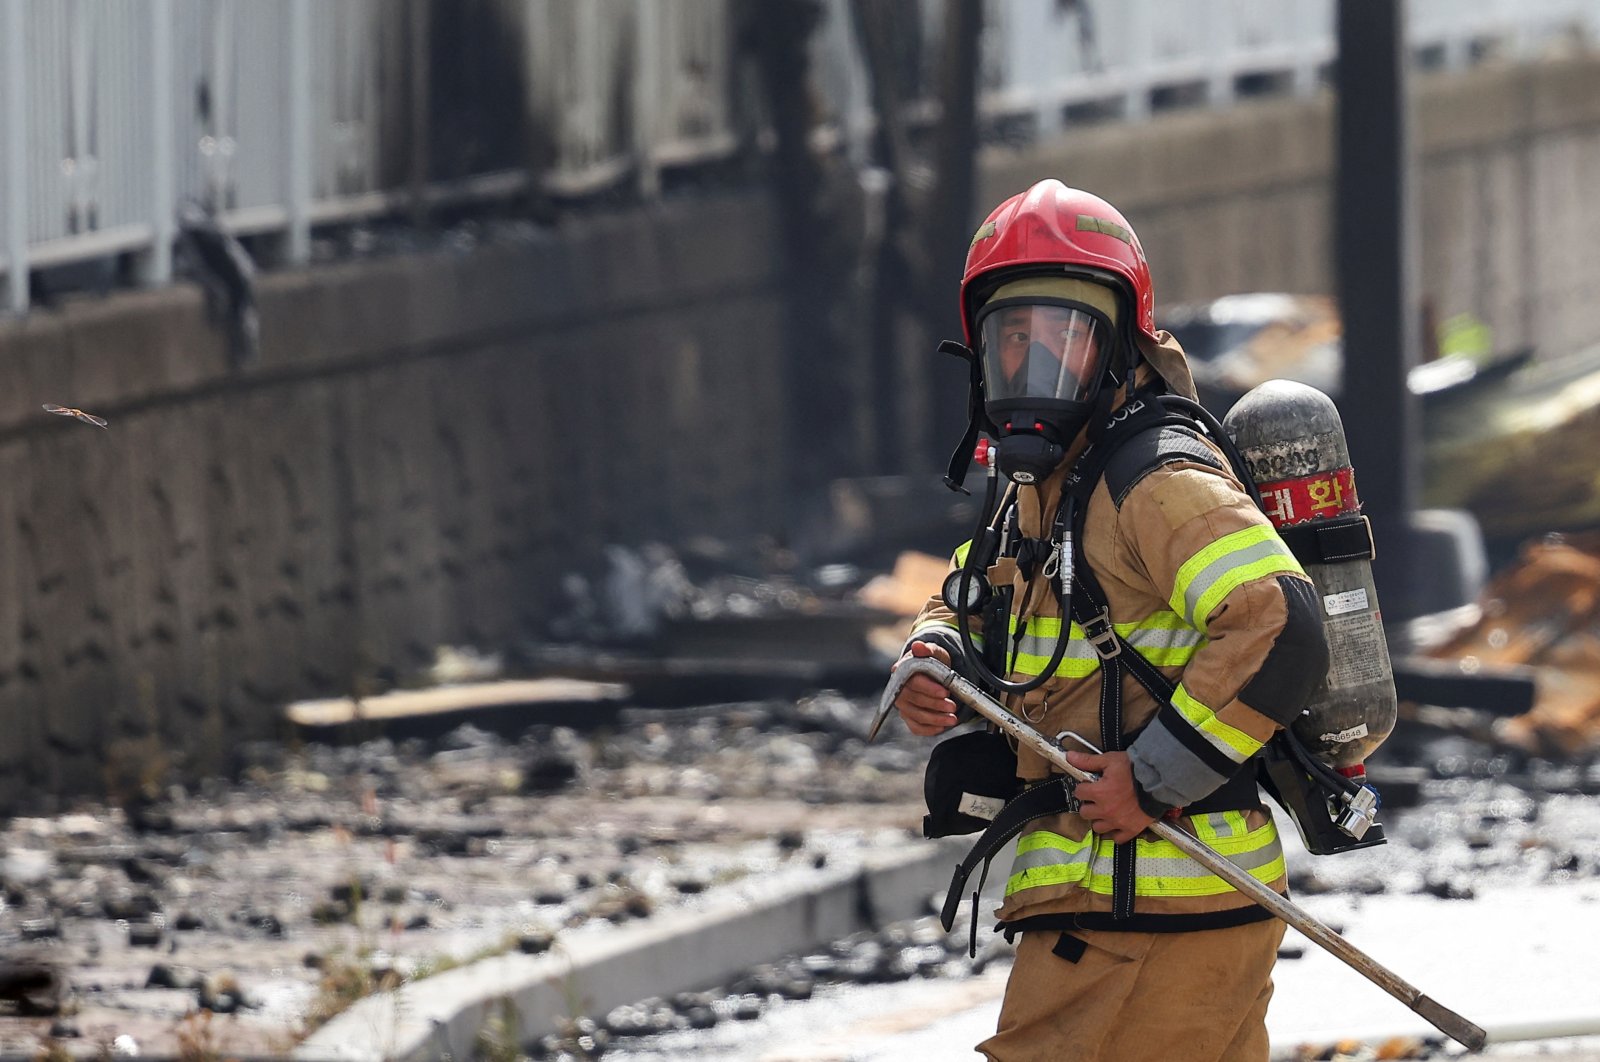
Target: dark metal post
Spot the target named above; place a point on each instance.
(419, 17)
(1376, 273)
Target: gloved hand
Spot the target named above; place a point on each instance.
(1110, 804)
(923, 703)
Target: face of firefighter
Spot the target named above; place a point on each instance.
(1042, 350)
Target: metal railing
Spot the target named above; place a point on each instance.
(1043, 60)
(283, 114)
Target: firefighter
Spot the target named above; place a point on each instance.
(1126, 949)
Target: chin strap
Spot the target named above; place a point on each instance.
(1100, 419)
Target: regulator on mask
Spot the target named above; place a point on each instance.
(1044, 347)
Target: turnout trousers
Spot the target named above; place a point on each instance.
(1094, 996)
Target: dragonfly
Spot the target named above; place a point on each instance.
(68, 411)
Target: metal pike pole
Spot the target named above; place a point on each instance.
(1440, 1017)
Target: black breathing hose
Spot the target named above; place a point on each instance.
(1319, 771)
(985, 536)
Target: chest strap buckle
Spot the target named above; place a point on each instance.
(1103, 636)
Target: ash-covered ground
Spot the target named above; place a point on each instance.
(323, 872)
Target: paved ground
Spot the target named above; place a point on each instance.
(1517, 960)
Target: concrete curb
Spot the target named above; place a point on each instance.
(745, 924)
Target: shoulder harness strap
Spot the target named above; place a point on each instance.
(1148, 451)
(1149, 436)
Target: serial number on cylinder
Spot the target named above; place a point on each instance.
(1295, 457)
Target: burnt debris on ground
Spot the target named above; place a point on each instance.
(326, 872)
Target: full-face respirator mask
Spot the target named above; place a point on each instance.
(1044, 348)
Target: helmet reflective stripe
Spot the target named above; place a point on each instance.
(1223, 566)
(1090, 223)
(1228, 740)
(1045, 858)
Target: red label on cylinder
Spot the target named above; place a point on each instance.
(1313, 497)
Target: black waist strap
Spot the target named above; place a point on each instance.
(1138, 923)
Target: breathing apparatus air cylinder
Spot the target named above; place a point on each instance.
(1292, 442)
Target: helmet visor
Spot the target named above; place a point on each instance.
(1049, 350)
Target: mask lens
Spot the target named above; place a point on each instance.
(1041, 350)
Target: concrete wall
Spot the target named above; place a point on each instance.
(427, 440)
(1508, 192)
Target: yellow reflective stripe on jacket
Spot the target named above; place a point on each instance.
(1161, 869)
(1228, 740)
(1162, 638)
(1223, 566)
(960, 557)
(1217, 825)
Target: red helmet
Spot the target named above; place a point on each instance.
(1051, 225)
